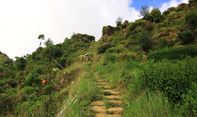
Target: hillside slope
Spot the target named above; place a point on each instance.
(152, 62)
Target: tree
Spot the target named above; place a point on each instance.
(119, 21)
(186, 37)
(192, 1)
(191, 19)
(20, 63)
(41, 37)
(155, 15)
(144, 11)
(145, 42)
(49, 42)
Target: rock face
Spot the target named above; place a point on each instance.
(108, 30)
(83, 37)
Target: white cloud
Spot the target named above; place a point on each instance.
(172, 3)
(21, 21)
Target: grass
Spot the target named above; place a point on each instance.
(83, 92)
(128, 75)
(149, 104)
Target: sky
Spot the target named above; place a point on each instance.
(21, 21)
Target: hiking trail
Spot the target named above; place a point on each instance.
(111, 104)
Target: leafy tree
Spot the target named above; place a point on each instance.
(20, 63)
(41, 37)
(119, 21)
(144, 11)
(191, 19)
(186, 37)
(192, 1)
(53, 51)
(49, 42)
(145, 42)
(156, 15)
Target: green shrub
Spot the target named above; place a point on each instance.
(191, 19)
(20, 63)
(173, 53)
(85, 91)
(32, 78)
(190, 101)
(145, 42)
(174, 79)
(52, 51)
(156, 15)
(163, 43)
(104, 47)
(149, 104)
(186, 37)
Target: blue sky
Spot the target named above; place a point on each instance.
(154, 3)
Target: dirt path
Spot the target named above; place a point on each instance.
(111, 103)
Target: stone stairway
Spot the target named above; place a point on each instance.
(111, 103)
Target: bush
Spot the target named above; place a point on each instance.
(109, 57)
(52, 51)
(20, 63)
(174, 79)
(191, 19)
(173, 53)
(104, 47)
(145, 42)
(156, 15)
(32, 78)
(118, 21)
(149, 104)
(163, 43)
(186, 37)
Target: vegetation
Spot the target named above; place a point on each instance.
(186, 37)
(153, 61)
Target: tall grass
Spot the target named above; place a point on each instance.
(149, 104)
(83, 93)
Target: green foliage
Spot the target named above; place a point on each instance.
(190, 101)
(191, 19)
(173, 53)
(32, 78)
(20, 63)
(145, 42)
(86, 91)
(41, 36)
(150, 104)
(52, 52)
(174, 78)
(83, 37)
(119, 21)
(104, 47)
(49, 42)
(156, 15)
(144, 11)
(186, 37)
(163, 43)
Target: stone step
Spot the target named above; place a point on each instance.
(113, 92)
(115, 110)
(107, 115)
(99, 109)
(117, 102)
(98, 103)
(102, 83)
(100, 80)
(113, 97)
(105, 86)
